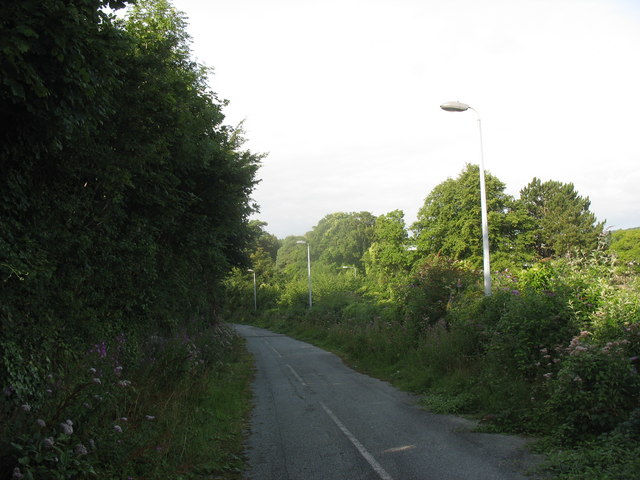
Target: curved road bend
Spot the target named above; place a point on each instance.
(315, 418)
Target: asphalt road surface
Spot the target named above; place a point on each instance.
(315, 418)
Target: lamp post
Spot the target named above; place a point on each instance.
(355, 270)
(308, 268)
(461, 107)
(255, 291)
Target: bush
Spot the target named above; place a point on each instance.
(595, 389)
(439, 281)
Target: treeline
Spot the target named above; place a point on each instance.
(125, 201)
(549, 220)
(552, 352)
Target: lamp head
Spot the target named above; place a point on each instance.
(454, 106)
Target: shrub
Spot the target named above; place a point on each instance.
(530, 323)
(595, 389)
(437, 283)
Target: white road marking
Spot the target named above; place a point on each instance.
(295, 374)
(271, 347)
(363, 451)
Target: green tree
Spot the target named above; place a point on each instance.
(562, 219)
(125, 198)
(342, 238)
(388, 260)
(292, 256)
(263, 253)
(449, 222)
(626, 245)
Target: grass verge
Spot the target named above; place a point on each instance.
(215, 425)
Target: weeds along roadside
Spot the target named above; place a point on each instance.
(552, 353)
(178, 412)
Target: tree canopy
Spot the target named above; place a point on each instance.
(626, 245)
(125, 196)
(562, 220)
(342, 238)
(449, 222)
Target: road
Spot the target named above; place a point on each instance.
(315, 418)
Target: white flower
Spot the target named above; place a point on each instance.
(26, 407)
(80, 449)
(66, 428)
(92, 371)
(117, 428)
(97, 380)
(150, 417)
(48, 442)
(41, 423)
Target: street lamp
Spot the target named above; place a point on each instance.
(308, 269)
(355, 270)
(461, 107)
(255, 291)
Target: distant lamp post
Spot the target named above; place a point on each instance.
(302, 242)
(255, 290)
(461, 107)
(355, 270)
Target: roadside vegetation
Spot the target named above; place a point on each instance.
(552, 353)
(124, 249)
(125, 200)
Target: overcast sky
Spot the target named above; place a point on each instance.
(344, 97)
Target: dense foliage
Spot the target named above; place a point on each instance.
(125, 201)
(626, 245)
(562, 218)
